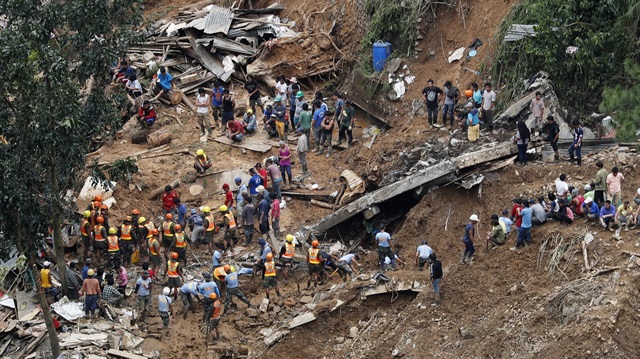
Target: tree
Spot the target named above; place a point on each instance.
(623, 103)
(49, 51)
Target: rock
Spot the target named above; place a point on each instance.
(196, 189)
(264, 306)
(253, 313)
(340, 340)
(396, 353)
(465, 333)
(277, 309)
(301, 320)
(353, 332)
(306, 299)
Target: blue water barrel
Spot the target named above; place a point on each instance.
(381, 51)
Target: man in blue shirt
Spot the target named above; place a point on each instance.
(607, 215)
(164, 83)
(254, 182)
(591, 208)
(506, 221)
(318, 117)
(576, 145)
(85, 269)
(233, 288)
(165, 305)
(384, 247)
(524, 232)
(473, 122)
(263, 214)
(182, 213)
(217, 259)
(242, 188)
(216, 101)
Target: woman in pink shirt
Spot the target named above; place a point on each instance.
(123, 280)
(614, 186)
(285, 162)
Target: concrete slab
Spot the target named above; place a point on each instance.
(302, 319)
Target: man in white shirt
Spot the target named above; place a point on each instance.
(488, 104)
(302, 149)
(202, 112)
(422, 255)
(282, 87)
(562, 188)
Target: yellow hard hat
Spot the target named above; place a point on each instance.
(141, 220)
(206, 209)
(223, 208)
(200, 152)
(289, 238)
(87, 214)
(113, 230)
(249, 112)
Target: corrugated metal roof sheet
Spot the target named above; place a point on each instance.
(223, 43)
(218, 20)
(517, 32)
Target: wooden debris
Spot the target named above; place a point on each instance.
(159, 138)
(185, 151)
(587, 266)
(322, 204)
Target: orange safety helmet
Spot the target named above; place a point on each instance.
(169, 216)
(100, 219)
(468, 93)
(269, 256)
(174, 255)
(213, 296)
(136, 212)
(97, 198)
(315, 243)
(154, 231)
(177, 227)
(226, 268)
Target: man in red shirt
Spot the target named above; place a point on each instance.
(263, 174)
(167, 199)
(228, 201)
(235, 130)
(515, 214)
(147, 114)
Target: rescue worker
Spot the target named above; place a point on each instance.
(46, 280)
(126, 239)
(231, 232)
(99, 239)
(174, 272)
(113, 247)
(180, 244)
(287, 252)
(206, 288)
(209, 228)
(233, 288)
(187, 292)
(135, 216)
(154, 250)
(216, 259)
(220, 273)
(422, 255)
(195, 226)
(86, 233)
(168, 233)
(94, 208)
(104, 212)
(165, 307)
(145, 227)
(201, 163)
(348, 264)
(264, 250)
(270, 280)
(314, 263)
(212, 313)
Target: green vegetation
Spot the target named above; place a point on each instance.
(623, 102)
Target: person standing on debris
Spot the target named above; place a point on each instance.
(174, 272)
(91, 290)
(488, 105)
(86, 233)
(473, 122)
(216, 102)
(497, 235)
(228, 109)
(231, 229)
(280, 110)
(202, 112)
(553, 134)
(287, 253)
(209, 228)
(110, 294)
(165, 307)
(213, 313)
(347, 123)
(275, 214)
(228, 196)
(113, 247)
(125, 232)
(270, 280)
(469, 235)
(72, 281)
(304, 124)
(240, 198)
(284, 154)
(383, 238)
(476, 95)
(235, 131)
(46, 279)
(314, 263)
(338, 105)
(263, 175)
(168, 232)
(537, 107)
(99, 239)
(187, 292)
(298, 103)
(281, 87)
(524, 232)
(522, 138)
(302, 148)
(430, 97)
(614, 186)
(154, 250)
(328, 124)
(318, 120)
(179, 244)
(206, 288)
(607, 215)
(167, 199)
(436, 276)
(122, 280)
(347, 265)
(451, 97)
(576, 145)
(263, 215)
(249, 122)
(233, 289)
(162, 83)
(294, 105)
(276, 176)
(254, 182)
(248, 215)
(254, 94)
(600, 183)
(422, 255)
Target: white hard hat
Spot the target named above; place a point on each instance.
(47, 263)
(588, 200)
(474, 217)
(260, 189)
(166, 291)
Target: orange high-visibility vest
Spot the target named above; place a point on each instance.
(231, 219)
(290, 250)
(152, 249)
(83, 228)
(180, 242)
(212, 225)
(150, 227)
(97, 233)
(313, 256)
(269, 269)
(125, 232)
(172, 269)
(167, 229)
(113, 244)
(217, 307)
(219, 273)
(202, 161)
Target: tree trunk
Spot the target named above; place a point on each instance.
(58, 244)
(46, 312)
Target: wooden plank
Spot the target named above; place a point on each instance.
(256, 147)
(27, 317)
(123, 354)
